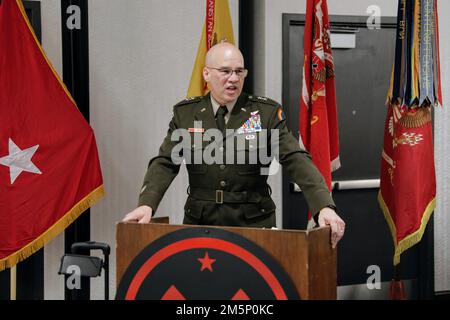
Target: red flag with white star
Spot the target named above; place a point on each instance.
(49, 166)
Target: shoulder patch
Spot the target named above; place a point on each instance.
(280, 114)
(188, 101)
(264, 100)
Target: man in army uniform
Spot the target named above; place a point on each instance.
(232, 193)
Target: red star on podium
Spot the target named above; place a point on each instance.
(206, 262)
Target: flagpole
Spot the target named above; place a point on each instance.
(397, 289)
(13, 279)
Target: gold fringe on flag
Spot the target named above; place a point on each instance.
(73, 213)
(411, 239)
(54, 230)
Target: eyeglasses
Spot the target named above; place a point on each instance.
(228, 72)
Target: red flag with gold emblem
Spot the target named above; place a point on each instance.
(408, 183)
(319, 133)
(49, 166)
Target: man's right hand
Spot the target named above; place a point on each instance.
(142, 214)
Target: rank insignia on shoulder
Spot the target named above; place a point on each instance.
(189, 100)
(281, 115)
(264, 100)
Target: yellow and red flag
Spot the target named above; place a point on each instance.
(408, 183)
(49, 165)
(218, 27)
(319, 132)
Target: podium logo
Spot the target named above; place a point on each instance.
(205, 264)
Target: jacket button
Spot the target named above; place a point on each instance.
(223, 183)
(222, 167)
(263, 210)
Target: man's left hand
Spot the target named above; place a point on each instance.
(329, 217)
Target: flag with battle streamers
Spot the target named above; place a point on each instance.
(408, 183)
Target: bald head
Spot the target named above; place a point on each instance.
(224, 72)
(223, 51)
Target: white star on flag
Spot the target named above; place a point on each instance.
(19, 160)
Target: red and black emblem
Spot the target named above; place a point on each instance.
(203, 264)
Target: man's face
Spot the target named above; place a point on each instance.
(225, 84)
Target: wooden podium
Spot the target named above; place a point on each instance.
(306, 256)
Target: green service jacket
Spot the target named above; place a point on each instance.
(231, 193)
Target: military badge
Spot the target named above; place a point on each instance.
(253, 124)
(196, 130)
